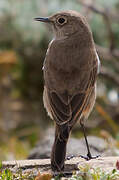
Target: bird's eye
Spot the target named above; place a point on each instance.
(61, 20)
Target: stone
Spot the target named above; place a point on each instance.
(43, 165)
(76, 147)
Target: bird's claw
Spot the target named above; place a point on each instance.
(89, 157)
(70, 157)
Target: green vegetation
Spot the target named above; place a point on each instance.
(84, 173)
(88, 173)
(6, 174)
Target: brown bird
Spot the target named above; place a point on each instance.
(70, 70)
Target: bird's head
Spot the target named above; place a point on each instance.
(66, 24)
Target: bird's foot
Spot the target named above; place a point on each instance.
(70, 157)
(89, 157)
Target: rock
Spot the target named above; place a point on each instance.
(76, 147)
(107, 164)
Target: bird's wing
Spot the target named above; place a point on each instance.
(66, 107)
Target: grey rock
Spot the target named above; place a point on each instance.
(32, 167)
(76, 147)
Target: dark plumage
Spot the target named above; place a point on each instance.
(70, 71)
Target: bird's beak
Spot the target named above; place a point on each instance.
(42, 19)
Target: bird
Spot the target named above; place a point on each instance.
(70, 71)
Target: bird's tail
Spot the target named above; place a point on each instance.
(59, 147)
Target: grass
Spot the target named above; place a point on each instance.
(7, 174)
(88, 173)
(85, 173)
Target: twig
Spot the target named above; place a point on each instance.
(109, 75)
(107, 20)
(106, 54)
(112, 15)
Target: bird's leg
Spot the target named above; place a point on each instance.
(89, 156)
(70, 157)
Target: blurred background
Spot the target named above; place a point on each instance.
(23, 44)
